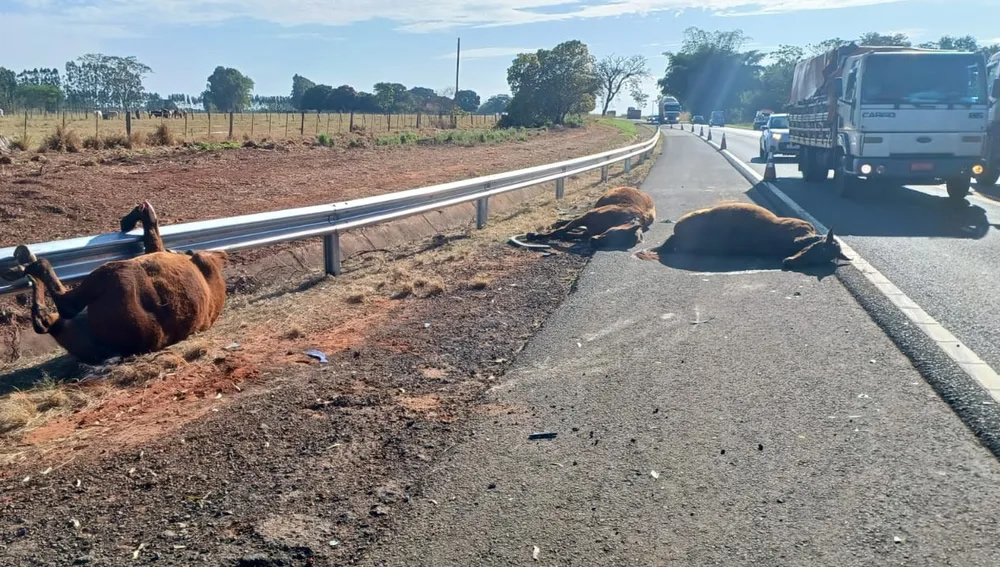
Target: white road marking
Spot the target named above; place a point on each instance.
(965, 357)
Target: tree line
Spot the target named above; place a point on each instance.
(713, 71)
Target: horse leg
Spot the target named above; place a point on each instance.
(69, 302)
(145, 214)
(73, 334)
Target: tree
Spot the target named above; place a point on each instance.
(300, 85)
(964, 43)
(775, 80)
(827, 45)
(549, 84)
(106, 81)
(639, 97)
(39, 96)
(228, 89)
(343, 99)
(391, 97)
(467, 100)
(616, 72)
(316, 98)
(39, 77)
(8, 84)
(495, 104)
(710, 73)
(891, 39)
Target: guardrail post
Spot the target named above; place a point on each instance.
(628, 164)
(604, 173)
(331, 254)
(561, 186)
(482, 212)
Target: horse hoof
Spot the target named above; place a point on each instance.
(129, 221)
(24, 256)
(12, 274)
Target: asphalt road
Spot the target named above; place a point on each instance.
(945, 259)
(707, 412)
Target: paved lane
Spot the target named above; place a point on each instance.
(945, 259)
(706, 415)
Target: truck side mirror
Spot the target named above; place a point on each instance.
(996, 88)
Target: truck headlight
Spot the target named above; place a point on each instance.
(977, 169)
(866, 169)
(776, 137)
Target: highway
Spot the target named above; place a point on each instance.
(946, 259)
(724, 412)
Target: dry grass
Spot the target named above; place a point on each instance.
(21, 144)
(293, 332)
(62, 140)
(23, 410)
(428, 287)
(162, 136)
(194, 351)
(480, 281)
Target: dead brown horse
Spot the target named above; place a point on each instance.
(617, 221)
(127, 307)
(744, 229)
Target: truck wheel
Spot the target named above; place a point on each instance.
(844, 184)
(958, 188)
(989, 177)
(813, 168)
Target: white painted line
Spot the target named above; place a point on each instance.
(965, 357)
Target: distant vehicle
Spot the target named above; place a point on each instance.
(775, 139)
(991, 171)
(900, 115)
(634, 113)
(718, 118)
(670, 110)
(761, 118)
(697, 119)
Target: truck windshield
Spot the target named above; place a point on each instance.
(778, 122)
(672, 107)
(930, 78)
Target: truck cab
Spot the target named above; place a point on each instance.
(670, 110)
(908, 116)
(991, 154)
(718, 118)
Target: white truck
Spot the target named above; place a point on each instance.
(670, 110)
(900, 115)
(992, 152)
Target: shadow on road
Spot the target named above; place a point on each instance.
(728, 264)
(783, 160)
(893, 211)
(991, 192)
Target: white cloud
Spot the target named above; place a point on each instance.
(418, 17)
(484, 52)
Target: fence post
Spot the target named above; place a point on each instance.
(350, 127)
(302, 126)
(185, 124)
(561, 186)
(64, 119)
(286, 124)
(209, 124)
(251, 123)
(97, 124)
(331, 254)
(269, 124)
(628, 164)
(128, 123)
(418, 120)
(24, 139)
(604, 174)
(340, 121)
(327, 122)
(230, 125)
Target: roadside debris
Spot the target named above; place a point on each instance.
(544, 435)
(534, 552)
(317, 354)
(654, 474)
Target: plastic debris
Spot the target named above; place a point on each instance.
(334, 543)
(427, 325)
(654, 474)
(534, 552)
(317, 354)
(543, 435)
(897, 539)
(233, 346)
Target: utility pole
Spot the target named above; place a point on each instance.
(458, 58)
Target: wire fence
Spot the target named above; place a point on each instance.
(35, 125)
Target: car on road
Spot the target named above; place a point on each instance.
(761, 119)
(775, 139)
(718, 118)
(697, 119)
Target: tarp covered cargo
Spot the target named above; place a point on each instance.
(812, 75)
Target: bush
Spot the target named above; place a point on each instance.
(62, 140)
(21, 144)
(162, 136)
(136, 140)
(574, 122)
(116, 140)
(93, 143)
(325, 140)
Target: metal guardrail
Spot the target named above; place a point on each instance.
(74, 258)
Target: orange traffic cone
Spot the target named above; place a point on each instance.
(769, 172)
(722, 146)
(710, 134)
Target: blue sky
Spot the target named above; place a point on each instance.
(360, 42)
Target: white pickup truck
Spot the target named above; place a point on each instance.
(992, 152)
(902, 115)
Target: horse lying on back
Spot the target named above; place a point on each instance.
(127, 307)
(617, 221)
(744, 229)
